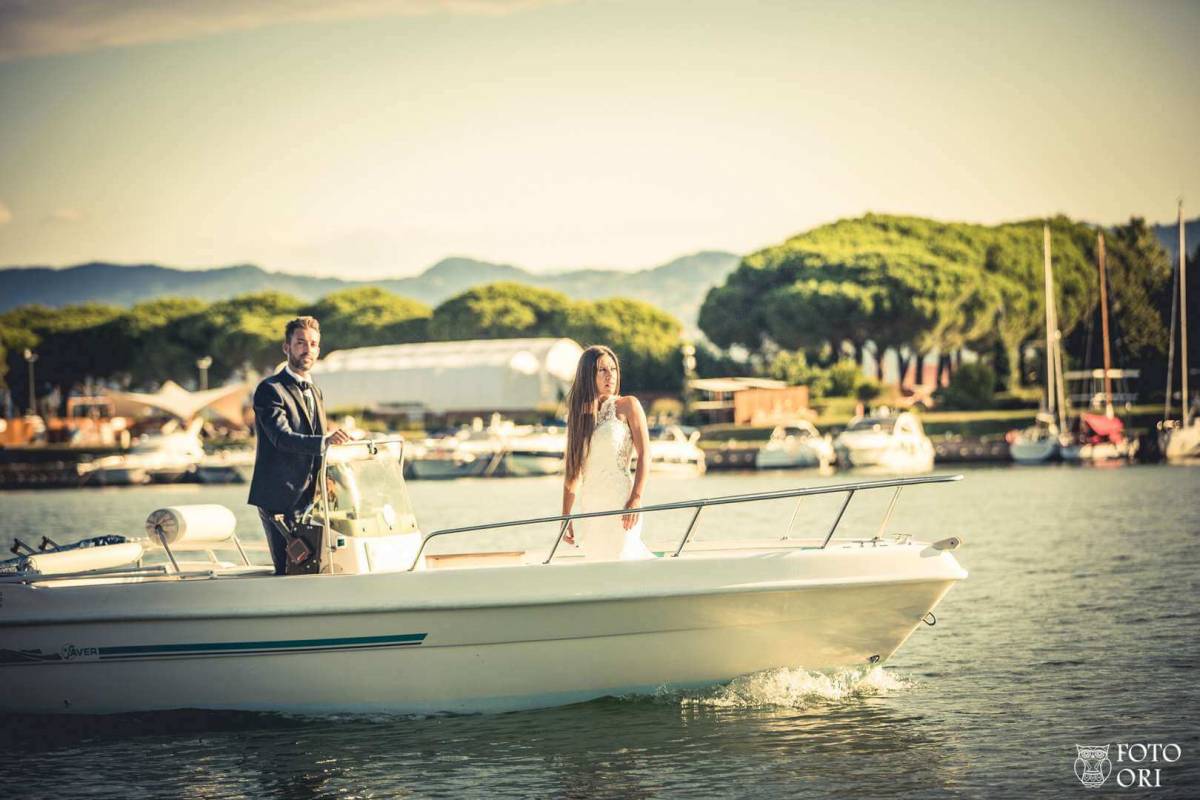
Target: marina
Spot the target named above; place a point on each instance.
(538, 451)
(599, 400)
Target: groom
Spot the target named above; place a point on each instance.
(289, 419)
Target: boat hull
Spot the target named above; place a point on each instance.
(1100, 452)
(525, 464)
(117, 476)
(798, 458)
(504, 643)
(445, 468)
(224, 473)
(667, 466)
(1034, 451)
(888, 459)
(1182, 445)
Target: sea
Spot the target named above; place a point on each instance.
(1077, 628)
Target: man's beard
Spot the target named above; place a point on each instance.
(297, 364)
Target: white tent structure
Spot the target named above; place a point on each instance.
(225, 402)
(478, 376)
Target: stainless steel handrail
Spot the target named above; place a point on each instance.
(699, 504)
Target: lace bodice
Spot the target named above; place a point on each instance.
(611, 449)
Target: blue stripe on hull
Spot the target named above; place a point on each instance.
(70, 653)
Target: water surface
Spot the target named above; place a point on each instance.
(1077, 626)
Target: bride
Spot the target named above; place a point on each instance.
(603, 430)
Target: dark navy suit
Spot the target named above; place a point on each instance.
(290, 441)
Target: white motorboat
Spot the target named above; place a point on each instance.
(674, 450)
(887, 443)
(471, 452)
(796, 445)
(502, 449)
(397, 620)
(235, 465)
(533, 451)
(156, 458)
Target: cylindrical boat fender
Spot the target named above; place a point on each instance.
(193, 524)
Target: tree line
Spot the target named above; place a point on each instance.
(916, 286)
(805, 310)
(142, 346)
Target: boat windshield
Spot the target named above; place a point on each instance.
(882, 424)
(366, 490)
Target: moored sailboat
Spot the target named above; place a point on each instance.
(1179, 440)
(1101, 437)
(1043, 441)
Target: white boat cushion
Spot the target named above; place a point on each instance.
(84, 559)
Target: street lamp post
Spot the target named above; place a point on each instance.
(204, 363)
(31, 357)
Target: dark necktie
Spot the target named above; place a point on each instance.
(306, 390)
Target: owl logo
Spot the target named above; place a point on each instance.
(1092, 766)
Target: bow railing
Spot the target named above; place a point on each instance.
(849, 489)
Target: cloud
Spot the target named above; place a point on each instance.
(64, 216)
(5, 214)
(48, 27)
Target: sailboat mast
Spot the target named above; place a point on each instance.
(1059, 388)
(1108, 405)
(1167, 395)
(1050, 399)
(1183, 314)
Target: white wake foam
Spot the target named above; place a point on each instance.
(792, 688)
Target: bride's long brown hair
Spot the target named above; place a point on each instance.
(581, 407)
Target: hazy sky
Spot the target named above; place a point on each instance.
(378, 137)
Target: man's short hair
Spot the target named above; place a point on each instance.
(297, 324)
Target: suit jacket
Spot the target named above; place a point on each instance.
(289, 444)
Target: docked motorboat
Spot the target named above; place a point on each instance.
(155, 458)
(235, 465)
(796, 445)
(674, 450)
(885, 442)
(502, 449)
(393, 619)
(470, 453)
(533, 451)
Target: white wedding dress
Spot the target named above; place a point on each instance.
(605, 484)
